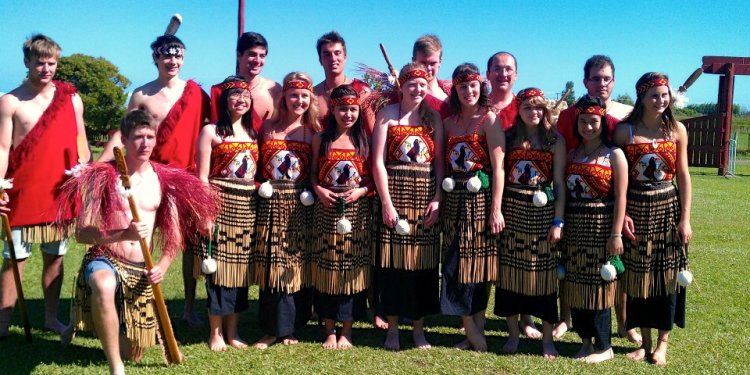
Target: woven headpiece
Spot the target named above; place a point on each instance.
(594, 110)
(298, 84)
(529, 93)
(411, 74)
(345, 100)
(660, 81)
(466, 78)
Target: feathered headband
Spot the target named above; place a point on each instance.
(660, 81)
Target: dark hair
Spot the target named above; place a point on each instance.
(167, 41)
(357, 133)
(249, 40)
(136, 119)
(461, 70)
(599, 61)
(587, 101)
(489, 61)
(330, 38)
(668, 122)
(224, 123)
(547, 133)
(427, 115)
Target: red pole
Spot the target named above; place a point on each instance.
(726, 107)
(240, 26)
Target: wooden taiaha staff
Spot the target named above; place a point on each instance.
(562, 99)
(173, 354)
(16, 274)
(390, 66)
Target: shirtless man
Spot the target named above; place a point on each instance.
(502, 73)
(180, 108)
(50, 113)
(331, 49)
(114, 288)
(428, 51)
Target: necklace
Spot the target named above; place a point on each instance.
(586, 155)
(253, 87)
(654, 140)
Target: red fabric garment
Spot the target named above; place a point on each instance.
(359, 86)
(187, 204)
(410, 143)
(589, 180)
(652, 162)
(234, 160)
(343, 167)
(529, 167)
(286, 160)
(508, 115)
(567, 120)
(443, 107)
(214, 109)
(37, 165)
(177, 137)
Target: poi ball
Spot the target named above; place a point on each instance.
(473, 184)
(403, 227)
(539, 198)
(560, 271)
(265, 190)
(307, 198)
(449, 184)
(208, 266)
(608, 272)
(684, 278)
(343, 226)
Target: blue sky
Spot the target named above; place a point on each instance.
(551, 39)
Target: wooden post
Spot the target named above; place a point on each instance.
(726, 91)
(240, 27)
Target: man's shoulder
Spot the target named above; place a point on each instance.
(619, 110)
(9, 101)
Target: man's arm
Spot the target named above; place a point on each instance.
(7, 107)
(82, 142)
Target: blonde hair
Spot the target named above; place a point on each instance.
(547, 133)
(40, 46)
(427, 115)
(427, 45)
(310, 117)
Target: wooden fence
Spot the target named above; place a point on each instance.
(704, 140)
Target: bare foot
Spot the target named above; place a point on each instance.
(477, 340)
(659, 356)
(511, 346)
(345, 342)
(264, 342)
(191, 319)
(420, 342)
(392, 340)
(600, 356)
(237, 343)
(549, 351)
(380, 323)
(67, 335)
(529, 330)
(585, 351)
(634, 337)
(637, 355)
(55, 326)
(330, 341)
(136, 353)
(560, 329)
(290, 340)
(463, 345)
(216, 343)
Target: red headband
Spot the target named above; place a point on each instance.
(659, 81)
(594, 110)
(235, 85)
(411, 74)
(529, 93)
(298, 84)
(467, 78)
(344, 100)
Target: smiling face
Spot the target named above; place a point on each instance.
(169, 65)
(468, 93)
(238, 103)
(502, 73)
(430, 62)
(333, 58)
(530, 114)
(601, 81)
(656, 100)
(41, 70)
(589, 126)
(414, 90)
(252, 61)
(346, 116)
(297, 100)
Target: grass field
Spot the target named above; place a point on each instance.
(715, 340)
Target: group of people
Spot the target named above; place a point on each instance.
(412, 200)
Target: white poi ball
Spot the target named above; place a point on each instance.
(659, 175)
(608, 272)
(265, 190)
(449, 184)
(473, 184)
(560, 271)
(539, 198)
(208, 266)
(307, 198)
(402, 227)
(343, 226)
(684, 278)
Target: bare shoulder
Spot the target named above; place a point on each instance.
(272, 86)
(8, 103)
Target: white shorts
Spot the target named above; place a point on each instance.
(23, 249)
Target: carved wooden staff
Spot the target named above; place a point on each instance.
(172, 352)
(391, 69)
(562, 99)
(16, 274)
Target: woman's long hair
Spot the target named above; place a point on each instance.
(427, 115)
(310, 117)
(547, 133)
(330, 133)
(462, 70)
(668, 122)
(587, 101)
(224, 123)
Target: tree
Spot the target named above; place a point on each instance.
(571, 99)
(101, 87)
(624, 99)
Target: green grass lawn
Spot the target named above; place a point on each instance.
(715, 340)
